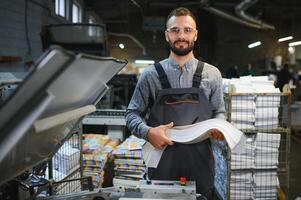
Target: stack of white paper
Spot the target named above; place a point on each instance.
(241, 185)
(129, 166)
(250, 113)
(66, 159)
(269, 140)
(267, 112)
(199, 131)
(241, 180)
(253, 170)
(249, 84)
(266, 150)
(56, 175)
(265, 87)
(267, 105)
(238, 86)
(243, 111)
(268, 101)
(244, 159)
(265, 185)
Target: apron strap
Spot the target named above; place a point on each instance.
(162, 76)
(196, 81)
(197, 77)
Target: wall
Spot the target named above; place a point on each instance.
(20, 27)
(232, 45)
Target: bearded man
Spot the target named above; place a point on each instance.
(179, 90)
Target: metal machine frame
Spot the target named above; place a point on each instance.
(37, 118)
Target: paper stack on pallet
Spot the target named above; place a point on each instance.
(129, 166)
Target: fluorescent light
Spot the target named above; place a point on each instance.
(291, 50)
(121, 46)
(292, 44)
(255, 44)
(285, 38)
(144, 62)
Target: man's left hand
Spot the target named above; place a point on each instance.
(216, 134)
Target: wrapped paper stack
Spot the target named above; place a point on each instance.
(96, 150)
(129, 166)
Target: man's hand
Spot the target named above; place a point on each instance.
(216, 134)
(157, 137)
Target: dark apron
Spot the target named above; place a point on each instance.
(183, 106)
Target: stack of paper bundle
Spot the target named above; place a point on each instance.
(241, 185)
(129, 165)
(256, 105)
(66, 160)
(241, 180)
(245, 158)
(93, 166)
(97, 149)
(265, 185)
(267, 111)
(266, 161)
(243, 111)
(93, 143)
(266, 150)
(254, 170)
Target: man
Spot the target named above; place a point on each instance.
(284, 76)
(249, 71)
(179, 90)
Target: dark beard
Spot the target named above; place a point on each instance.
(181, 52)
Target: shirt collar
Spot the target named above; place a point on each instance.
(187, 66)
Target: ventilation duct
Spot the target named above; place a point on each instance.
(231, 17)
(240, 11)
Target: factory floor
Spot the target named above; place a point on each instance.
(295, 172)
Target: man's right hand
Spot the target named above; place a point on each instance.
(157, 137)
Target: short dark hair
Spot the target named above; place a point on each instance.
(181, 11)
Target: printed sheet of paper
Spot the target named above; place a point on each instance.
(193, 134)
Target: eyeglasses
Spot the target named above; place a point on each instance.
(176, 30)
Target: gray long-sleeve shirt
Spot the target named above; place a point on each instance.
(148, 86)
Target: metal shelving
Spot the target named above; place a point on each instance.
(276, 120)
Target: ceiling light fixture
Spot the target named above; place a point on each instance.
(292, 44)
(144, 62)
(285, 38)
(291, 50)
(255, 44)
(121, 46)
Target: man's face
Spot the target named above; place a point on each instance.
(181, 34)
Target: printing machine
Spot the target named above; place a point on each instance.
(37, 118)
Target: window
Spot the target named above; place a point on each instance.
(76, 12)
(60, 8)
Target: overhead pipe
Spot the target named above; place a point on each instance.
(240, 11)
(231, 17)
